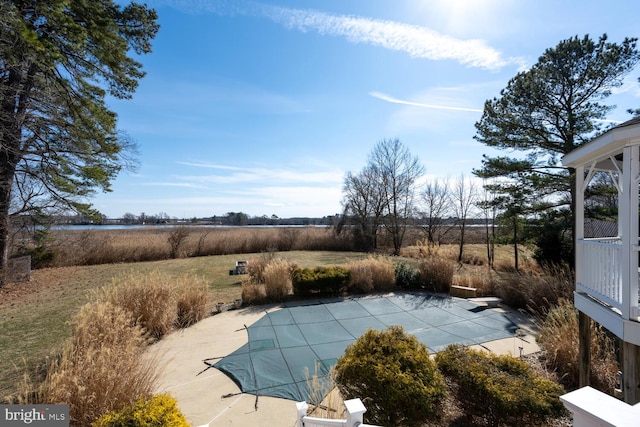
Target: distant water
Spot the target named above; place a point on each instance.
(156, 226)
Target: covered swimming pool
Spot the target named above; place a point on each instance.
(289, 345)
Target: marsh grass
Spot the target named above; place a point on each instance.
(96, 246)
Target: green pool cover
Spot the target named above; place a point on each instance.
(288, 346)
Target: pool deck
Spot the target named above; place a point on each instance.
(201, 392)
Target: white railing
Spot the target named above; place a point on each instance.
(355, 413)
(601, 269)
(592, 408)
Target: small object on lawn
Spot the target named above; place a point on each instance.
(241, 267)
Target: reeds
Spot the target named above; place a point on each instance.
(98, 246)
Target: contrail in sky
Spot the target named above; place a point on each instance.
(416, 41)
(393, 100)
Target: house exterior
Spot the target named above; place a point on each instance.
(607, 266)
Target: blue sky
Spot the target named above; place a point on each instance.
(263, 106)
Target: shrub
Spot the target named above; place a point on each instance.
(500, 389)
(407, 276)
(277, 279)
(150, 298)
(436, 273)
(101, 368)
(191, 301)
(158, 411)
(319, 280)
(559, 339)
(395, 377)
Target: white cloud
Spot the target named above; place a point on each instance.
(388, 98)
(234, 174)
(416, 41)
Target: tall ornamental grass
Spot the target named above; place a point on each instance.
(559, 338)
(277, 279)
(101, 368)
(372, 273)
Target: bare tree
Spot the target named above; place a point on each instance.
(435, 204)
(489, 211)
(176, 238)
(382, 195)
(398, 171)
(362, 205)
(464, 195)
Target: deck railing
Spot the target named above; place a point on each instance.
(600, 272)
(355, 411)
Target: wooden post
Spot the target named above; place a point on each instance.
(584, 355)
(631, 372)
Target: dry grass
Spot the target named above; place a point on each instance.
(100, 368)
(323, 396)
(371, 273)
(480, 278)
(91, 247)
(436, 273)
(150, 298)
(277, 279)
(536, 291)
(253, 293)
(192, 301)
(560, 340)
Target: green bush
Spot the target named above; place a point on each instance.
(395, 377)
(319, 280)
(499, 389)
(407, 276)
(158, 411)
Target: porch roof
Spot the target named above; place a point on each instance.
(602, 148)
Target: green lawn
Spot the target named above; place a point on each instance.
(34, 316)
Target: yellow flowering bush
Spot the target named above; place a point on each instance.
(158, 411)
